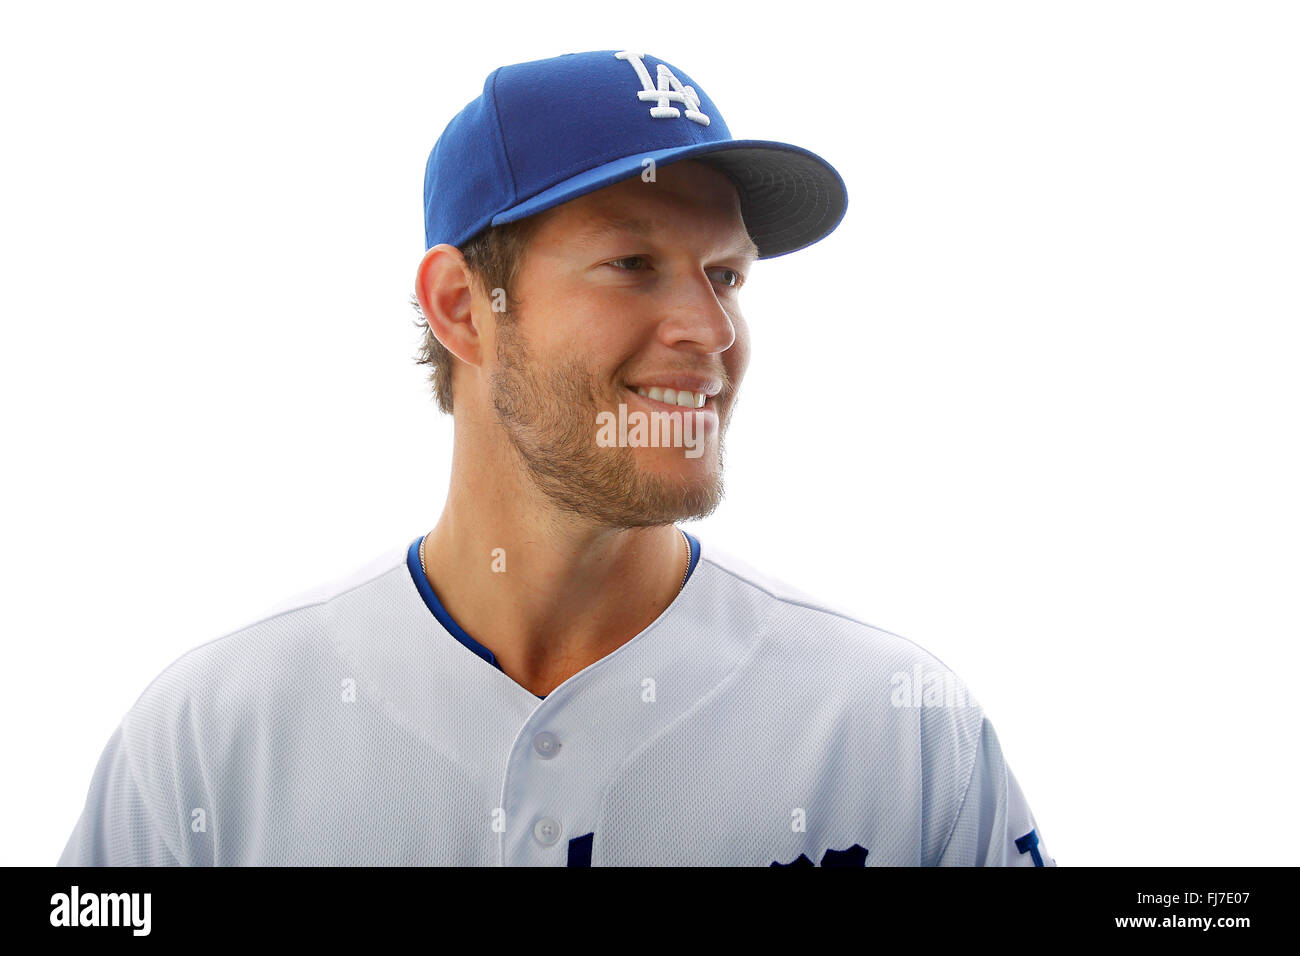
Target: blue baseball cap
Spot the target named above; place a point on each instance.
(547, 131)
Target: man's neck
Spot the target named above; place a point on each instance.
(550, 594)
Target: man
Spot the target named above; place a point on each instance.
(556, 674)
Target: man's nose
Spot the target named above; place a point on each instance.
(694, 318)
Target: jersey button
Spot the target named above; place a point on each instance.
(546, 744)
(546, 830)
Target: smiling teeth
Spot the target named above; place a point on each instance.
(681, 396)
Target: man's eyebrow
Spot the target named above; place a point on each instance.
(606, 226)
(613, 225)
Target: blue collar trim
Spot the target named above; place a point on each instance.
(440, 612)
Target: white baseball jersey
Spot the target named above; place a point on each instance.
(749, 725)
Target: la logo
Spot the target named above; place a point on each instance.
(669, 90)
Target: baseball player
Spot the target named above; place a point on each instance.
(556, 674)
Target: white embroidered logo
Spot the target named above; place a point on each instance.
(669, 90)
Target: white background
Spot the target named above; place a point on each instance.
(1032, 405)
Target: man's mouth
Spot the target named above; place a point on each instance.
(693, 394)
(681, 397)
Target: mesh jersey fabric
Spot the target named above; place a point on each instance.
(748, 725)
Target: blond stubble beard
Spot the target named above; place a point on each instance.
(550, 420)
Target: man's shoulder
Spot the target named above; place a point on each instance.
(366, 575)
(284, 650)
(798, 617)
(816, 654)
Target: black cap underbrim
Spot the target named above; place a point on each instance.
(789, 198)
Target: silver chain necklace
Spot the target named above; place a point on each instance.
(687, 572)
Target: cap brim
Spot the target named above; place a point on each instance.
(789, 197)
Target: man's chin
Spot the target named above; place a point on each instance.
(665, 495)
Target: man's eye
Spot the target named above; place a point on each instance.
(629, 263)
(730, 277)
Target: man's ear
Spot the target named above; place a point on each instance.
(443, 286)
